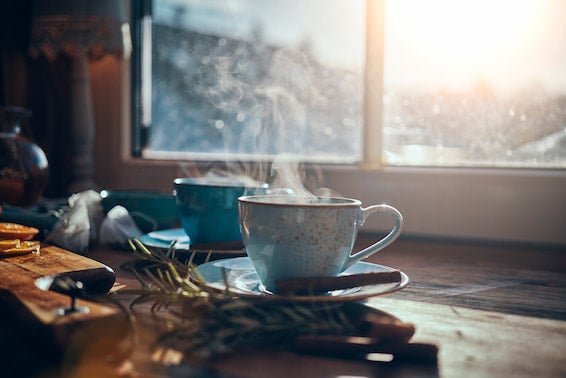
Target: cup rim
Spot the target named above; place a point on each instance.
(201, 181)
(260, 200)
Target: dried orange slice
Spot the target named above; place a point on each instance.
(23, 248)
(17, 231)
(9, 243)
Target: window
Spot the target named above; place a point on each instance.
(475, 83)
(424, 124)
(466, 83)
(242, 79)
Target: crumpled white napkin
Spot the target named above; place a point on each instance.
(118, 227)
(78, 225)
(83, 223)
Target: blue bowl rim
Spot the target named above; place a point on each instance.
(200, 182)
(135, 194)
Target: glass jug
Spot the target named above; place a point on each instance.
(24, 170)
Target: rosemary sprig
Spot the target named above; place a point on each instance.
(209, 322)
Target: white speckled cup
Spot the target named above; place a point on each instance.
(299, 237)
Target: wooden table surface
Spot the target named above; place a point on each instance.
(492, 310)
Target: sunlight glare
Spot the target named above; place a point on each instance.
(461, 39)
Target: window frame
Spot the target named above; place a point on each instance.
(495, 204)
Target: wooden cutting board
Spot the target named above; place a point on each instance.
(30, 318)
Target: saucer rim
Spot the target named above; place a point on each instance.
(152, 242)
(361, 294)
(174, 231)
(222, 253)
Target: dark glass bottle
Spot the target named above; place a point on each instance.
(24, 170)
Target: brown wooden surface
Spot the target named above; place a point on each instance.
(492, 310)
(19, 290)
(30, 318)
(18, 275)
(51, 260)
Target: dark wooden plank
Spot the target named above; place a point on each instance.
(519, 280)
(483, 343)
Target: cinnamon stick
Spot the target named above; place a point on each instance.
(314, 285)
(359, 347)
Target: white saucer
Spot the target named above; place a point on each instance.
(164, 238)
(243, 280)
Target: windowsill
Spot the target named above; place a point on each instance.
(485, 204)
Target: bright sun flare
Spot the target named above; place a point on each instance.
(460, 39)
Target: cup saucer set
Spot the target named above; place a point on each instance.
(284, 237)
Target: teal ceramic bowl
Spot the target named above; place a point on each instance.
(208, 208)
(151, 210)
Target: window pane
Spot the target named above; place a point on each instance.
(475, 82)
(258, 77)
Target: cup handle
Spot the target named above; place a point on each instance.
(378, 246)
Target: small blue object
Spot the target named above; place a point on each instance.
(151, 210)
(208, 209)
(164, 238)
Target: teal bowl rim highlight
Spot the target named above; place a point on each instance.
(201, 181)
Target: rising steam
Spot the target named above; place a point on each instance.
(266, 119)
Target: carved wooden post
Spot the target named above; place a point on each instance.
(82, 127)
